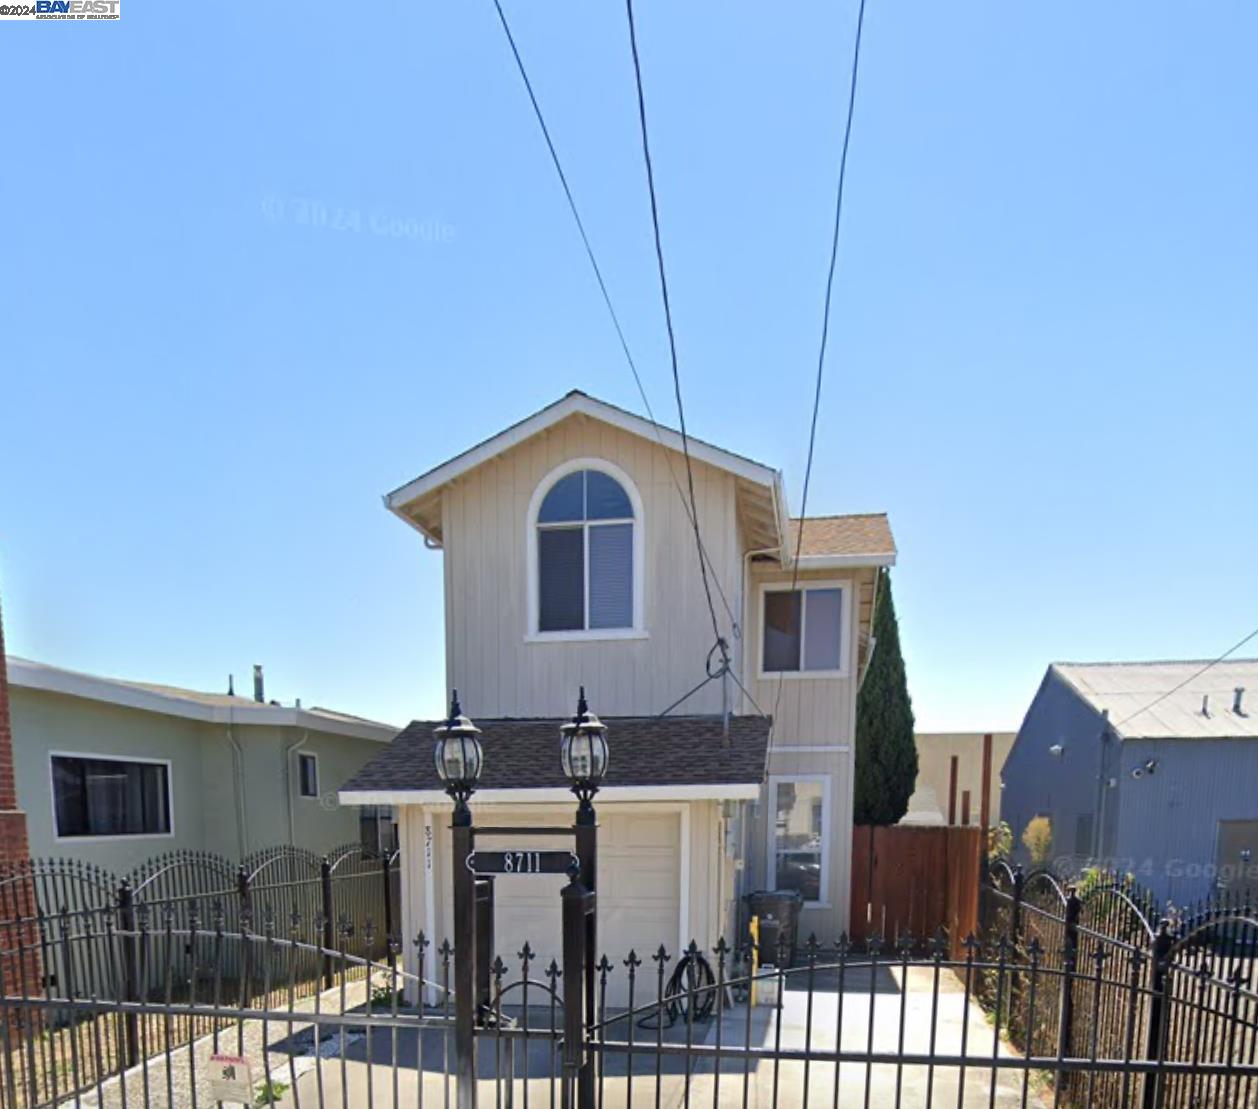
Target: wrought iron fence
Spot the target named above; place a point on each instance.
(351, 885)
(880, 1024)
(1136, 982)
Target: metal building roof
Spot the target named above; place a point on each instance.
(1135, 694)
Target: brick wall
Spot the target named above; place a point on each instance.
(17, 897)
(8, 787)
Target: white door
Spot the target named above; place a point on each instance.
(639, 893)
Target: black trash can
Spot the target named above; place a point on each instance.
(778, 911)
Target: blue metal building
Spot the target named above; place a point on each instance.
(1150, 768)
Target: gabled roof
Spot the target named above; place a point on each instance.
(413, 501)
(831, 541)
(1124, 689)
(683, 757)
(190, 704)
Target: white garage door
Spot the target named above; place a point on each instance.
(639, 876)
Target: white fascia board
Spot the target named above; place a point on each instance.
(551, 415)
(729, 791)
(783, 512)
(840, 562)
(52, 679)
(409, 520)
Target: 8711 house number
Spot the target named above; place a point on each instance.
(520, 862)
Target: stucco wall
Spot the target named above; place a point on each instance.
(47, 722)
(935, 751)
(203, 779)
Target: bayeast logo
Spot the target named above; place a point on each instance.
(62, 9)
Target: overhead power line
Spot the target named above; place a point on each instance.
(1191, 678)
(825, 318)
(668, 319)
(611, 309)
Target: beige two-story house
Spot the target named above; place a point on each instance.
(570, 560)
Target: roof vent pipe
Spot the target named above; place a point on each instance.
(258, 694)
(1238, 700)
(1205, 704)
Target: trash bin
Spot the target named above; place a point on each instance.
(778, 911)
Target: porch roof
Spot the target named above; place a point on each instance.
(684, 755)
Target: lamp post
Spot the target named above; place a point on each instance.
(583, 754)
(458, 757)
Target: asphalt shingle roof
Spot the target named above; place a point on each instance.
(524, 754)
(862, 534)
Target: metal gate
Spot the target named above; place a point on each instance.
(878, 1026)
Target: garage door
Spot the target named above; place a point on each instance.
(639, 876)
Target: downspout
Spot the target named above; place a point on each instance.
(289, 751)
(238, 772)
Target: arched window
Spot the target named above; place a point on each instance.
(585, 523)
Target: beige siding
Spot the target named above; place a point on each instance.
(488, 660)
(812, 712)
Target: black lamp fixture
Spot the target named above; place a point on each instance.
(457, 753)
(583, 753)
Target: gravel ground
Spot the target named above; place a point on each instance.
(162, 1086)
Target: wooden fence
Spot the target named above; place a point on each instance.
(915, 881)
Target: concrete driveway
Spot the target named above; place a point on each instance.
(344, 1080)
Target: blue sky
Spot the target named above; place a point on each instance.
(262, 263)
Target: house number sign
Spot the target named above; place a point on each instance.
(521, 862)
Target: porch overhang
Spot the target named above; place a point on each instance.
(731, 791)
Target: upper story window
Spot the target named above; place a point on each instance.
(804, 630)
(586, 549)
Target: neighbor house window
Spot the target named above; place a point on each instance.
(803, 630)
(308, 773)
(586, 550)
(110, 797)
(798, 836)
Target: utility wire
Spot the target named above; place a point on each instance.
(668, 319)
(825, 329)
(1191, 678)
(607, 300)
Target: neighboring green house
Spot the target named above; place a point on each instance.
(114, 772)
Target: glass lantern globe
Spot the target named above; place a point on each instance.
(457, 753)
(583, 750)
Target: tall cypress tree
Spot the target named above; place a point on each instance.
(886, 755)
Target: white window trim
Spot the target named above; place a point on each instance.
(308, 796)
(638, 629)
(52, 797)
(771, 855)
(845, 629)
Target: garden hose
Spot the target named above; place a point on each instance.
(674, 1001)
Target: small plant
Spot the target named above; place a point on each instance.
(1000, 841)
(1037, 838)
(382, 997)
(270, 1092)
